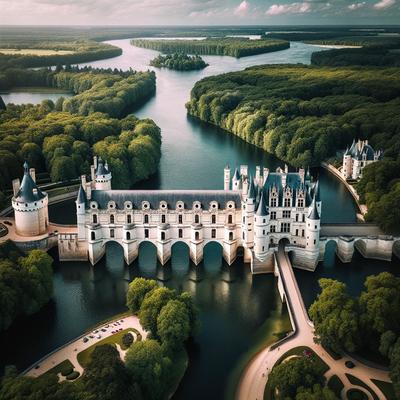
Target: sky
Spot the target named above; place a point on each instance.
(198, 12)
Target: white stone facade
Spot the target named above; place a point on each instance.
(253, 214)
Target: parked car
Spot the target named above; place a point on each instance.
(85, 339)
(98, 336)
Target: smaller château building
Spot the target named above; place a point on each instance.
(30, 205)
(357, 157)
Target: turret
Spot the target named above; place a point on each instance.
(347, 168)
(227, 178)
(307, 179)
(249, 208)
(103, 176)
(261, 229)
(313, 227)
(236, 180)
(30, 206)
(80, 211)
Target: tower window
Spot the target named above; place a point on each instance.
(162, 235)
(197, 219)
(128, 236)
(94, 218)
(111, 218)
(146, 218)
(146, 233)
(93, 235)
(213, 219)
(196, 235)
(230, 219)
(112, 233)
(163, 218)
(180, 218)
(213, 233)
(180, 233)
(230, 235)
(129, 219)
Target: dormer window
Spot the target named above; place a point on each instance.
(111, 205)
(145, 205)
(163, 205)
(197, 205)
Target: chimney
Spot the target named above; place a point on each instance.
(92, 173)
(258, 174)
(15, 184)
(265, 174)
(243, 170)
(286, 169)
(83, 181)
(302, 174)
(95, 162)
(89, 192)
(32, 174)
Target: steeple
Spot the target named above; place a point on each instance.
(313, 214)
(236, 175)
(251, 194)
(262, 209)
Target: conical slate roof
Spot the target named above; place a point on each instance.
(28, 191)
(236, 175)
(81, 199)
(313, 214)
(102, 168)
(262, 209)
(251, 194)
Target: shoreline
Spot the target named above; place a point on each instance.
(335, 46)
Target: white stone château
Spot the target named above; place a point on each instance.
(30, 205)
(357, 157)
(250, 216)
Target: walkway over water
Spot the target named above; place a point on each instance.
(255, 377)
(355, 229)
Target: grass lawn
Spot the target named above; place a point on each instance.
(355, 381)
(180, 363)
(336, 385)
(273, 329)
(57, 369)
(36, 52)
(387, 389)
(85, 355)
(37, 89)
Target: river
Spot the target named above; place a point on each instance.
(235, 307)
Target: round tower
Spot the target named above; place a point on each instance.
(347, 164)
(248, 213)
(236, 180)
(313, 227)
(227, 177)
(30, 206)
(261, 229)
(103, 176)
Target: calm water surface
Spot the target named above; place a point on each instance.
(233, 304)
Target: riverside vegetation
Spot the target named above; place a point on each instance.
(234, 47)
(367, 324)
(26, 282)
(179, 62)
(152, 368)
(305, 114)
(60, 138)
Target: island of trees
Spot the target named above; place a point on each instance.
(26, 282)
(60, 138)
(234, 47)
(305, 114)
(152, 369)
(179, 62)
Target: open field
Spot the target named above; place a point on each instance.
(36, 52)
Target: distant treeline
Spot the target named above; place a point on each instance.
(234, 47)
(179, 62)
(365, 56)
(317, 35)
(60, 138)
(112, 92)
(84, 51)
(304, 115)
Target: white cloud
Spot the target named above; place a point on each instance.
(293, 8)
(356, 6)
(381, 5)
(242, 8)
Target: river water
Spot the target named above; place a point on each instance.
(235, 307)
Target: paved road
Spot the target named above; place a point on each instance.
(71, 350)
(254, 378)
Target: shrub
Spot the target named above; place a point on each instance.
(73, 375)
(127, 339)
(67, 370)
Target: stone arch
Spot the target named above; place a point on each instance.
(114, 254)
(329, 252)
(213, 255)
(147, 257)
(180, 256)
(284, 241)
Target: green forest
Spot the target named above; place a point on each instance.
(305, 114)
(368, 325)
(234, 47)
(61, 138)
(81, 51)
(26, 282)
(179, 62)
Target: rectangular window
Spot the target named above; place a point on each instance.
(297, 232)
(146, 233)
(285, 227)
(273, 228)
(180, 233)
(180, 218)
(163, 218)
(273, 215)
(273, 202)
(300, 203)
(111, 233)
(286, 213)
(287, 203)
(297, 217)
(213, 233)
(302, 233)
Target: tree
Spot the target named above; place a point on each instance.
(63, 168)
(137, 291)
(299, 372)
(149, 367)
(380, 304)
(335, 317)
(317, 392)
(151, 307)
(106, 376)
(395, 367)
(193, 312)
(173, 324)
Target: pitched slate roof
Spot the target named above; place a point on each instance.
(262, 209)
(313, 214)
(28, 191)
(171, 197)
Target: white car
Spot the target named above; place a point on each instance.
(98, 336)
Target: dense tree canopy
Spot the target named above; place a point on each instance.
(137, 290)
(234, 47)
(26, 283)
(61, 138)
(179, 61)
(335, 316)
